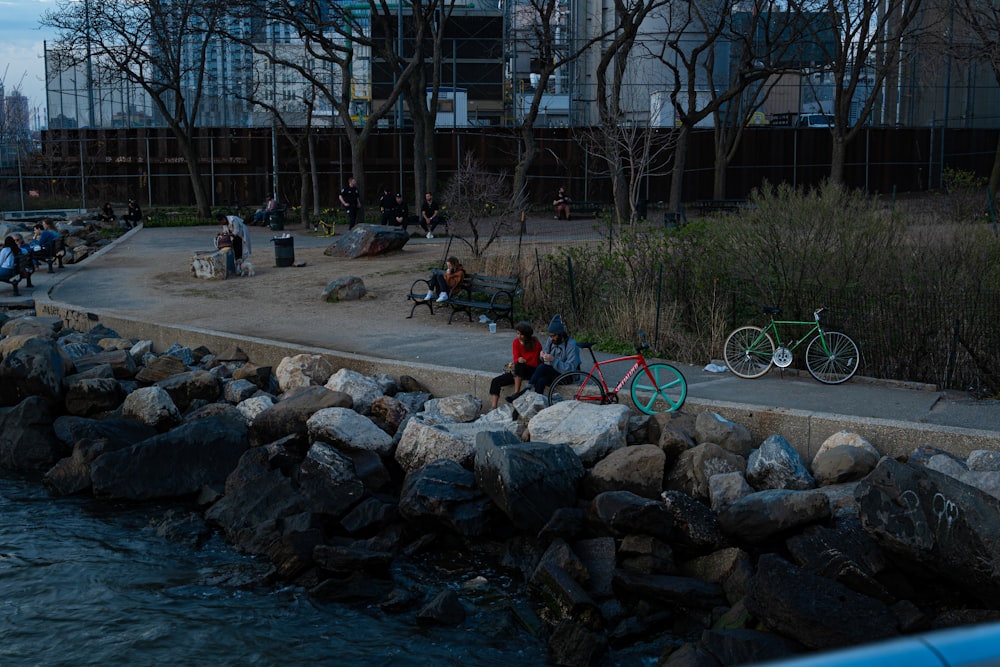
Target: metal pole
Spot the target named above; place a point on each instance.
(149, 173)
(83, 176)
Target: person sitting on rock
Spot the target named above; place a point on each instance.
(107, 213)
(525, 350)
(560, 354)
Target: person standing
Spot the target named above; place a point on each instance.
(430, 215)
(350, 199)
(240, 235)
(525, 351)
(387, 206)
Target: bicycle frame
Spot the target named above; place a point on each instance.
(772, 328)
(639, 364)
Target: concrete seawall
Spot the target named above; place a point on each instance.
(804, 429)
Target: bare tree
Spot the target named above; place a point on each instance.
(480, 211)
(542, 19)
(611, 69)
(329, 37)
(861, 41)
(145, 41)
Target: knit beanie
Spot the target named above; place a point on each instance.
(556, 326)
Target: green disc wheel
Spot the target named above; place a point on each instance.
(832, 357)
(663, 389)
(749, 352)
(577, 386)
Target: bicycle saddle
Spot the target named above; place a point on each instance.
(771, 310)
(585, 345)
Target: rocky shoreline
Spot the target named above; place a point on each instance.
(676, 534)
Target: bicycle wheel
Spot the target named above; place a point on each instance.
(666, 391)
(749, 352)
(577, 386)
(835, 361)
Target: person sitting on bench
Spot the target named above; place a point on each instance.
(8, 258)
(561, 202)
(447, 281)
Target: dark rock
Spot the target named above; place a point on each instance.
(327, 480)
(183, 527)
(527, 481)
(598, 555)
(815, 611)
(289, 416)
(622, 513)
(760, 516)
(564, 597)
(259, 376)
(444, 493)
(742, 646)
(176, 463)
(694, 467)
(258, 494)
(118, 432)
(574, 645)
(691, 655)
(191, 385)
(565, 522)
(559, 554)
(121, 363)
(696, 529)
(845, 554)
(935, 524)
(72, 474)
(27, 440)
(643, 554)
(444, 609)
(368, 516)
(351, 557)
(669, 590)
(85, 397)
(36, 369)
(161, 368)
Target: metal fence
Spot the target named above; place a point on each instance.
(240, 167)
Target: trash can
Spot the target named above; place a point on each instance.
(284, 250)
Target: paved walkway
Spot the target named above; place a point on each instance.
(145, 275)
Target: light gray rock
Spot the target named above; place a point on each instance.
(253, 406)
(363, 389)
(461, 408)
(303, 370)
(346, 430)
(151, 406)
(986, 481)
(422, 443)
(237, 391)
(847, 439)
(726, 488)
(592, 431)
(984, 460)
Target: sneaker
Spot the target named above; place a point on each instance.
(442, 297)
(430, 235)
(513, 397)
(555, 217)
(429, 296)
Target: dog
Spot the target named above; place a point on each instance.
(246, 269)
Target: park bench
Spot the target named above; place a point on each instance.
(492, 295)
(24, 266)
(51, 254)
(586, 209)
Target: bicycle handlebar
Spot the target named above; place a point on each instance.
(818, 312)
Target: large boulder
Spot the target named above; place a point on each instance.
(592, 431)
(290, 415)
(638, 469)
(177, 463)
(422, 443)
(776, 465)
(443, 494)
(185, 388)
(346, 430)
(37, 368)
(363, 389)
(696, 466)
(302, 370)
(759, 516)
(367, 240)
(527, 481)
(935, 523)
(27, 441)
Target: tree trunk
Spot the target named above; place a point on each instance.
(995, 173)
(529, 151)
(677, 174)
(191, 156)
(313, 174)
(838, 155)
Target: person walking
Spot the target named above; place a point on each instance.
(350, 199)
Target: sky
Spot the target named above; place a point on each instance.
(21, 51)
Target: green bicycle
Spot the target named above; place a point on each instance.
(831, 357)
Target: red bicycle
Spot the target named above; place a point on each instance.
(656, 387)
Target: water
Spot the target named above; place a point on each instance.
(82, 583)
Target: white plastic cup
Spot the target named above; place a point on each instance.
(493, 327)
